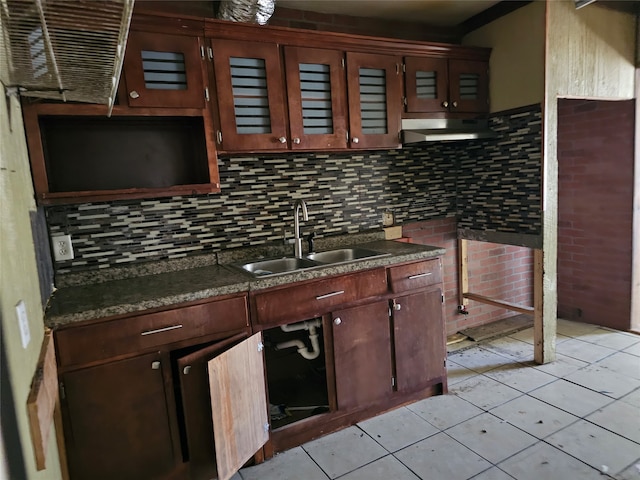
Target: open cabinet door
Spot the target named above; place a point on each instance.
(238, 405)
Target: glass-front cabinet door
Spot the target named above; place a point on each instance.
(375, 100)
(316, 97)
(164, 71)
(427, 84)
(249, 84)
(469, 85)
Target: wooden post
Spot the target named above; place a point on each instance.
(544, 336)
(463, 274)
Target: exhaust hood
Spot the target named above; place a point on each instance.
(440, 129)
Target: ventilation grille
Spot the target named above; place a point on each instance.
(373, 101)
(426, 85)
(64, 50)
(315, 86)
(469, 86)
(250, 95)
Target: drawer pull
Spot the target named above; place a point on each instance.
(332, 294)
(155, 365)
(160, 330)
(420, 275)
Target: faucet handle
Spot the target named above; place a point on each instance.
(310, 238)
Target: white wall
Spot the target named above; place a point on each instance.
(516, 66)
(19, 279)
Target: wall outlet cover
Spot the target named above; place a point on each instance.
(62, 248)
(23, 323)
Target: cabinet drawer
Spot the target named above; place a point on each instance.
(84, 344)
(415, 275)
(312, 299)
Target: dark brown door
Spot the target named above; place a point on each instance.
(469, 86)
(118, 421)
(317, 98)
(250, 89)
(427, 84)
(375, 100)
(164, 71)
(362, 355)
(420, 346)
(193, 381)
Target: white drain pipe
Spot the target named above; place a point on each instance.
(309, 325)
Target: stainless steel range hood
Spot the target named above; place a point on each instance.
(440, 129)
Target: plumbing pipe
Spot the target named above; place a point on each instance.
(306, 325)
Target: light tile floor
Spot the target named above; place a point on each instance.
(504, 418)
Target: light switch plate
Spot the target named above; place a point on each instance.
(62, 248)
(23, 323)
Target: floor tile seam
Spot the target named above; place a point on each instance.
(523, 392)
(580, 417)
(620, 349)
(613, 399)
(609, 430)
(389, 454)
(576, 420)
(440, 430)
(413, 443)
(632, 464)
(603, 475)
(492, 466)
(495, 464)
(317, 464)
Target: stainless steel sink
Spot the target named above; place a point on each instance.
(277, 265)
(344, 255)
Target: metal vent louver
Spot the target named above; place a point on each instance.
(64, 50)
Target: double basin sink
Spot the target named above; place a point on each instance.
(279, 266)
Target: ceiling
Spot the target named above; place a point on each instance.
(446, 13)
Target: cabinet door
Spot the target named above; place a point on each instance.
(164, 71)
(118, 421)
(375, 100)
(192, 373)
(317, 98)
(238, 404)
(362, 355)
(469, 86)
(250, 91)
(426, 83)
(419, 340)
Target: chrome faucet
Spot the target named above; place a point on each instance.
(296, 225)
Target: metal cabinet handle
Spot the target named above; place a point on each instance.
(219, 137)
(134, 94)
(296, 141)
(420, 275)
(155, 365)
(337, 321)
(355, 140)
(332, 294)
(445, 104)
(397, 306)
(186, 369)
(160, 330)
(282, 139)
(455, 104)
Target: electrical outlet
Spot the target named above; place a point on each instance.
(62, 248)
(387, 218)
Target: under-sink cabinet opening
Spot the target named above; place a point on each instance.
(296, 369)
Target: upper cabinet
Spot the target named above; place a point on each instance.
(446, 85)
(375, 100)
(162, 70)
(317, 98)
(250, 96)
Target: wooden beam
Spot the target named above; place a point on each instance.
(635, 248)
(490, 14)
(539, 345)
(499, 303)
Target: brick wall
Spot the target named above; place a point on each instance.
(498, 271)
(595, 166)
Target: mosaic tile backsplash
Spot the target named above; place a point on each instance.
(345, 193)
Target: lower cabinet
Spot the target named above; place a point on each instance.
(118, 423)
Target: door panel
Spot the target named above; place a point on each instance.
(196, 406)
(362, 353)
(238, 404)
(469, 83)
(419, 342)
(426, 84)
(118, 421)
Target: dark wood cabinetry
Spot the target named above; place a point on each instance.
(162, 70)
(375, 100)
(139, 393)
(250, 89)
(118, 423)
(446, 85)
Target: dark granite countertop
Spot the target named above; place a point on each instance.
(197, 280)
